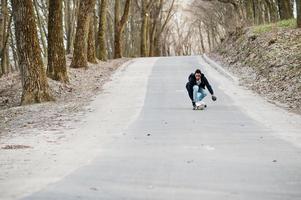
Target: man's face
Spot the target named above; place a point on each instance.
(197, 76)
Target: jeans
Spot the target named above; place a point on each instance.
(198, 93)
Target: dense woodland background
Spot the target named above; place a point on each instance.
(36, 35)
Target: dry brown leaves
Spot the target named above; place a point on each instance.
(269, 64)
(54, 116)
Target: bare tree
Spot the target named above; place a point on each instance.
(101, 41)
(91, 40)
(80, 57)
(71, 11)
(159, 24)
(285, 9)
(145, 8)
(56, 51)
(119, 26)
(40, 8)
(35, 86)
(298, 4)
(5, 22)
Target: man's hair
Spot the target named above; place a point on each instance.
(198, 71)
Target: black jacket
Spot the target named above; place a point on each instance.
(204, 83)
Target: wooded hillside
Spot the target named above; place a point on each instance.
(36, 35)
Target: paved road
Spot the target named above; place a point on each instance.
(174, 153)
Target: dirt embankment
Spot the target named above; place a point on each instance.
(268, 61)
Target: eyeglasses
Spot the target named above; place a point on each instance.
(197, 75)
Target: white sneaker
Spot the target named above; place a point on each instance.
(201, 105)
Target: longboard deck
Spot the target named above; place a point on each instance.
(200, 105)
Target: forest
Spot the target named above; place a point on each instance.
(36, 35)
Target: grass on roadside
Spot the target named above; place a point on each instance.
(286, 24)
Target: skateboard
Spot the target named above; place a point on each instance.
(200, 105)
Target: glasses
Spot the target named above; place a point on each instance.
(197, 75)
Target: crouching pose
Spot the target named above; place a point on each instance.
(196, 88)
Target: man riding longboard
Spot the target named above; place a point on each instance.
(196, 89)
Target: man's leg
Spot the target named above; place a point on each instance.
(195, 93)
(201, 94)
(189, 90)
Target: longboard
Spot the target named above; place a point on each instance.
(200, 105)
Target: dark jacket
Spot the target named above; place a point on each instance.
(192, 82)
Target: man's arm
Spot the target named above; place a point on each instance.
(208, 86)
(210, 89)
(190, 78)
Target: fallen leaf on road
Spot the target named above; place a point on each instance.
(16, 146)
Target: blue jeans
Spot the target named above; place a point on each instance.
(198, 93)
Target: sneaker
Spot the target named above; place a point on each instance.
(193, 104)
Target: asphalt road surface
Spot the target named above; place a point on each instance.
(171, 152)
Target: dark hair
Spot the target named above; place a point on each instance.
(198, 71)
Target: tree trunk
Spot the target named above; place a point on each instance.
(117, 43)
(91, 40)
(80, 58)
(5, 51)
(102, 47)
(71, 11)
(14, 51)
(110, 40)
(5, 26)
(155, 26)
(157, 45)
(35, 86)
(209, 41)
(161, 27)
(143, 36)
(250, 16)
(298, 3)
(56, 51)
(272, 10)
(258, 12)
(1, 38)
(119, 26)
(285, 9)
(41, 29)
(143, 50)
(201, 40)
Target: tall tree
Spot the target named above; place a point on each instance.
(161, 25)
(155, 15)
(1, 35)
(145, 12)
(56, 52)
(101, 39)
(119, 26)
(42, 28)
(34, 81)
(273, 12)
(5, 22)
(71, 11)
(298, 4)
(285, 9)
(91, 39)
(80, 58)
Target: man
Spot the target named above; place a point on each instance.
(196, 87)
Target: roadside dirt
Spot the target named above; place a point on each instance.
(52, 116)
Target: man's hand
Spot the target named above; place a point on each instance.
(213, 98)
